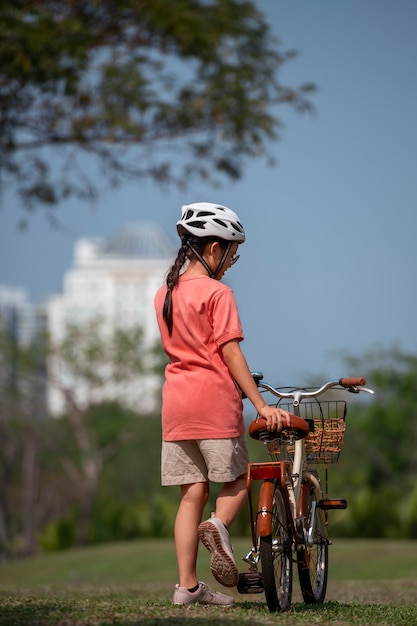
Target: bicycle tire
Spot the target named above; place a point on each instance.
(313, 561)
(276, 557)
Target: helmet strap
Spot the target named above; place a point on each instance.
(204, 262)
(223, 259)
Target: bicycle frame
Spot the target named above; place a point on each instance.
(292, 477)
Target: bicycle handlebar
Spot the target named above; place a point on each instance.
(352, 384)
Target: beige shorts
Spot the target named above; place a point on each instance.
(196, 461)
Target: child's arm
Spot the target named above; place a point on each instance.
(276, 418)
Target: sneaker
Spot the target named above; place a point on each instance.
(203, 595)
(215, 537)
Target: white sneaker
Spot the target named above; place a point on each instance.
(203, 595)
(215, 537)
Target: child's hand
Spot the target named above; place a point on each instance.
(276, 418)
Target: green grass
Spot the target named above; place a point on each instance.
(125, 584)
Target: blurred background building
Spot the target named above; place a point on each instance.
(113, 279)
(21, 318)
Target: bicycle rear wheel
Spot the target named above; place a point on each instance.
(313, 562)
(276, 557)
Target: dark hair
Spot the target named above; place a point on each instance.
(184, 253)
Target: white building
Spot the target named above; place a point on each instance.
(25, 324)
(19, 316)
(115, 279)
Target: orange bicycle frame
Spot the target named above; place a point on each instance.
(268, 473)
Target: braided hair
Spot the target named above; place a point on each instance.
(185, 252)
(172, 281)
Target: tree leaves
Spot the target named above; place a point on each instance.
(151, 89)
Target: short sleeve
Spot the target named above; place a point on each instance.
(225, 318)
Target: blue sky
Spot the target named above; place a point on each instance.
(330, 263)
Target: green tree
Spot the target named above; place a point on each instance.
(166, 90)
(91, 364)
(50, 469)
(22, 408)
(378, 466)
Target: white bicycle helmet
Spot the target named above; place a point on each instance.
(205, 219)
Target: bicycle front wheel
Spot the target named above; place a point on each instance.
(313, 561)
(276, 557)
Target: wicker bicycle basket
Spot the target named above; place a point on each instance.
(327, 421)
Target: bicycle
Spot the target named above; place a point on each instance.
(292, 514)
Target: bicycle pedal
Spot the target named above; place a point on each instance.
(328, 505)
(250, 582)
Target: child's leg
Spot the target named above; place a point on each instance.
(193, 500)
(231, 499)
(215, 537)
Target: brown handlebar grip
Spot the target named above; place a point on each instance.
(352, 382)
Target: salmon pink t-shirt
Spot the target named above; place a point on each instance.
(200, 399)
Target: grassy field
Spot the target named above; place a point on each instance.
(126, 584)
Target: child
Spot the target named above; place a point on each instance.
(202, 412)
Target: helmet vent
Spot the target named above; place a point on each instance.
(216, 219)
(204, 213)
(197, 224)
